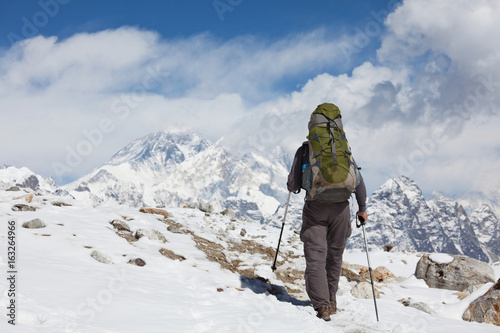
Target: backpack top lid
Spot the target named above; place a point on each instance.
(325, 113)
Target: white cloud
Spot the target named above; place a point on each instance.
(120, 84)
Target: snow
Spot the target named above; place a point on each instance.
(441, 258)
(62, 289)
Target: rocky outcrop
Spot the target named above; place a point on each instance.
(31, 182)
(171, 255)
(23, 208)
(462, 273)
(158, 211)
(486, 308)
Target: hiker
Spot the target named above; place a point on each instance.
(326, 215)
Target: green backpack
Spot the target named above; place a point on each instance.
(330, 173)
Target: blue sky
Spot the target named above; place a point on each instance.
(413, 79)
(223, 19)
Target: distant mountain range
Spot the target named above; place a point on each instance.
(177, 168)
(181, 167)
(400, 216)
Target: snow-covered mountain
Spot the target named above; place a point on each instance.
(11, 176)
(176, 168)
(473, 200)
(399, 215)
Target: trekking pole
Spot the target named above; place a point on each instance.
(362, 224)
(273, 267)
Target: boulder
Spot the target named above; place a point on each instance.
(137, 261)
(350, 274)
(34, 224)
(380, 274)
(102, 257)
(23, 208)
(486, 308)
(363, 290)
(459, 273)
(120, 225)
(14, 189)
(151, 234)
(205, 206)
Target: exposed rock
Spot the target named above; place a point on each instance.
(60, 204)
(243, 232)
(28, 197)
(422, 307)
(120, 225)
(350, 274)
(127, 235)
(23, 208)
(31, 182)
(34, 224)
(151, 234)
(170, 254)
(137, 261)
(14, 189)
(101, 257)
(174, 229)
(205, 206)
(229, 213)
(405, 301)
(380, 274)
(158, 211)
(460, 274)
(363, 290)
(486, 308)
(388, 247)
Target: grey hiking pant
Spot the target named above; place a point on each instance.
(325, 229)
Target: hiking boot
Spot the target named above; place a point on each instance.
(324, 313)
(333, 307)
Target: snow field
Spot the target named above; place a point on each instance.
(62, 289)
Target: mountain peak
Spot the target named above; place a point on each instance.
(163, 147)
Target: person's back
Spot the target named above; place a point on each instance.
(325, 218)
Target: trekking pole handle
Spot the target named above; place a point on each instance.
(360, 221)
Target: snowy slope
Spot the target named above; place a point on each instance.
(63, 289)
